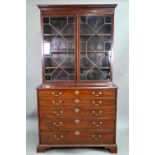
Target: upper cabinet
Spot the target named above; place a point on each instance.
(77, 43)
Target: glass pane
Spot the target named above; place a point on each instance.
(95, 47)
(59, 48)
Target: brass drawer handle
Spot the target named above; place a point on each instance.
(77, 133)
(57, 113)
(57, 124)
(60, 137)
(56, 103)
(96, 136)
(58, 94)
(96, 113)
(99, 102)
(77, 92)
(97, 124)
(99, 93)
(77, 100)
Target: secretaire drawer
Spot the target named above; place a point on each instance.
(77, 111)
(78, 101)
(78, 137)
(76, 123)
(77, 92)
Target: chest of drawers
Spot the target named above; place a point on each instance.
(77, 117)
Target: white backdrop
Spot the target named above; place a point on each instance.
(120, 71)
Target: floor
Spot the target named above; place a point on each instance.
(32, 142)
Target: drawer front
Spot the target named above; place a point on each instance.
(78, 137)
(77, 111)
(72, 102)
(77, 93)
(76, 123)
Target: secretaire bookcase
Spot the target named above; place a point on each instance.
(77, 99)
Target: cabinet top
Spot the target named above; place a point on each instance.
(75, 8)
(45, 6)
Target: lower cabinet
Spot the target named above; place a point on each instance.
(77, 117)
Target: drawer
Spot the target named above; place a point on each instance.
(77, 137)
(72, 102)
(77, 111)
(76, 123)
(76, 93)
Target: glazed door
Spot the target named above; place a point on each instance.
(58, 48)
(95, 48)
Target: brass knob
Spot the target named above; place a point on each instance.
(53, 101)
(100, 123)
(54, 123)
(77, 100)
(77, 92)
(93, 93)
(60, 93)
(100, 93)
(53, 93)
(60, 101)
(93, 112)
(93, 136)
(61, 112)
(93, 102)
(100, 102)
(100, 136)
(54, 112)
(60, 123)
(93, 122)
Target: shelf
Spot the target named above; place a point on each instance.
(89, 51)
(95, 67)
(80, 34)
(61, 52)
(95, 34)
(59, 67)
(57, 35)
(80, 67)
(69, 52)
(94, 51)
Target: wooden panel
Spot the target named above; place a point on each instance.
(77, 93)
(76, 123)
(78, 137)
(60, 112)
